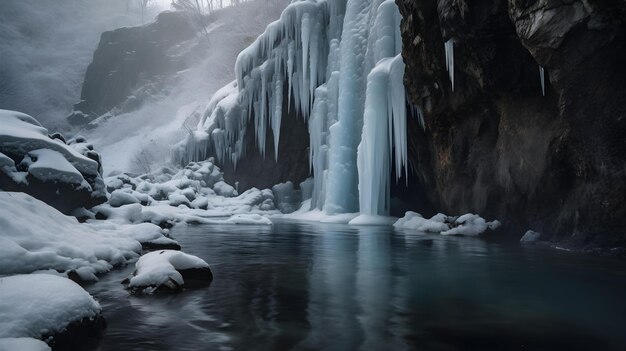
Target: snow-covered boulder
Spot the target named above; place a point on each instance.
(23, 344)
(168, 270)
(415, 221)
(223, 189)
(467, 224)
(530, 237)
(66, 176)
(120, 198)
(35, 237)
(44, 306)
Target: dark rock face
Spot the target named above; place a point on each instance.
(496, 146)
(131, 64)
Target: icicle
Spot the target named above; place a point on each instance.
(542, 78)
(449, 46)
(277, 115)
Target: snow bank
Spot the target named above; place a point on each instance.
(35, 236)
(23, 344)
(166, 269)
(119, 198)
(468, 224)
(36, 305)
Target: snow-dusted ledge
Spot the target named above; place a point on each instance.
(37, 305)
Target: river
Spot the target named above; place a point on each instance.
(310, 286)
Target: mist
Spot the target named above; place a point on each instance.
(45, 47)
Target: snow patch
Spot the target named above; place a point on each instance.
(35, 305)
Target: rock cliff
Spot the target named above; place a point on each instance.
(495, 145)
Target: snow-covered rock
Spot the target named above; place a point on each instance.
(23, 344)
(38, 305)
(530, 237)
(195, 194)
(35, 236)
(120, 198)
(67, 176)
(468, 224)
(223, 189)
(415, 221)
(168, 270)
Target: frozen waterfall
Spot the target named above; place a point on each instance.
(338, 64)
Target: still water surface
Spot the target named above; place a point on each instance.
(310, 286)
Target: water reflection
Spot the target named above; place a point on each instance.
(304, 286)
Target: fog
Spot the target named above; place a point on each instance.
(45, 47)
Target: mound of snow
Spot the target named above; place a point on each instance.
(119, 198)
(468, 224)
(35, 236)
(365, 219)
(415, 221)
(223, 189)
(35, 305)
(23, 344)
(248, 219)
(168, 269)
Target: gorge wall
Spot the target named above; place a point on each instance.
(495, 145)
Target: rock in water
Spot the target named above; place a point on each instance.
(169, 270)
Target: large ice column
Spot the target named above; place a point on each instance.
(384, 130)
(384, 127)
(342, 188)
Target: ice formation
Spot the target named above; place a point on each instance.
(542, 79)
(323, 59)
(449, 48)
